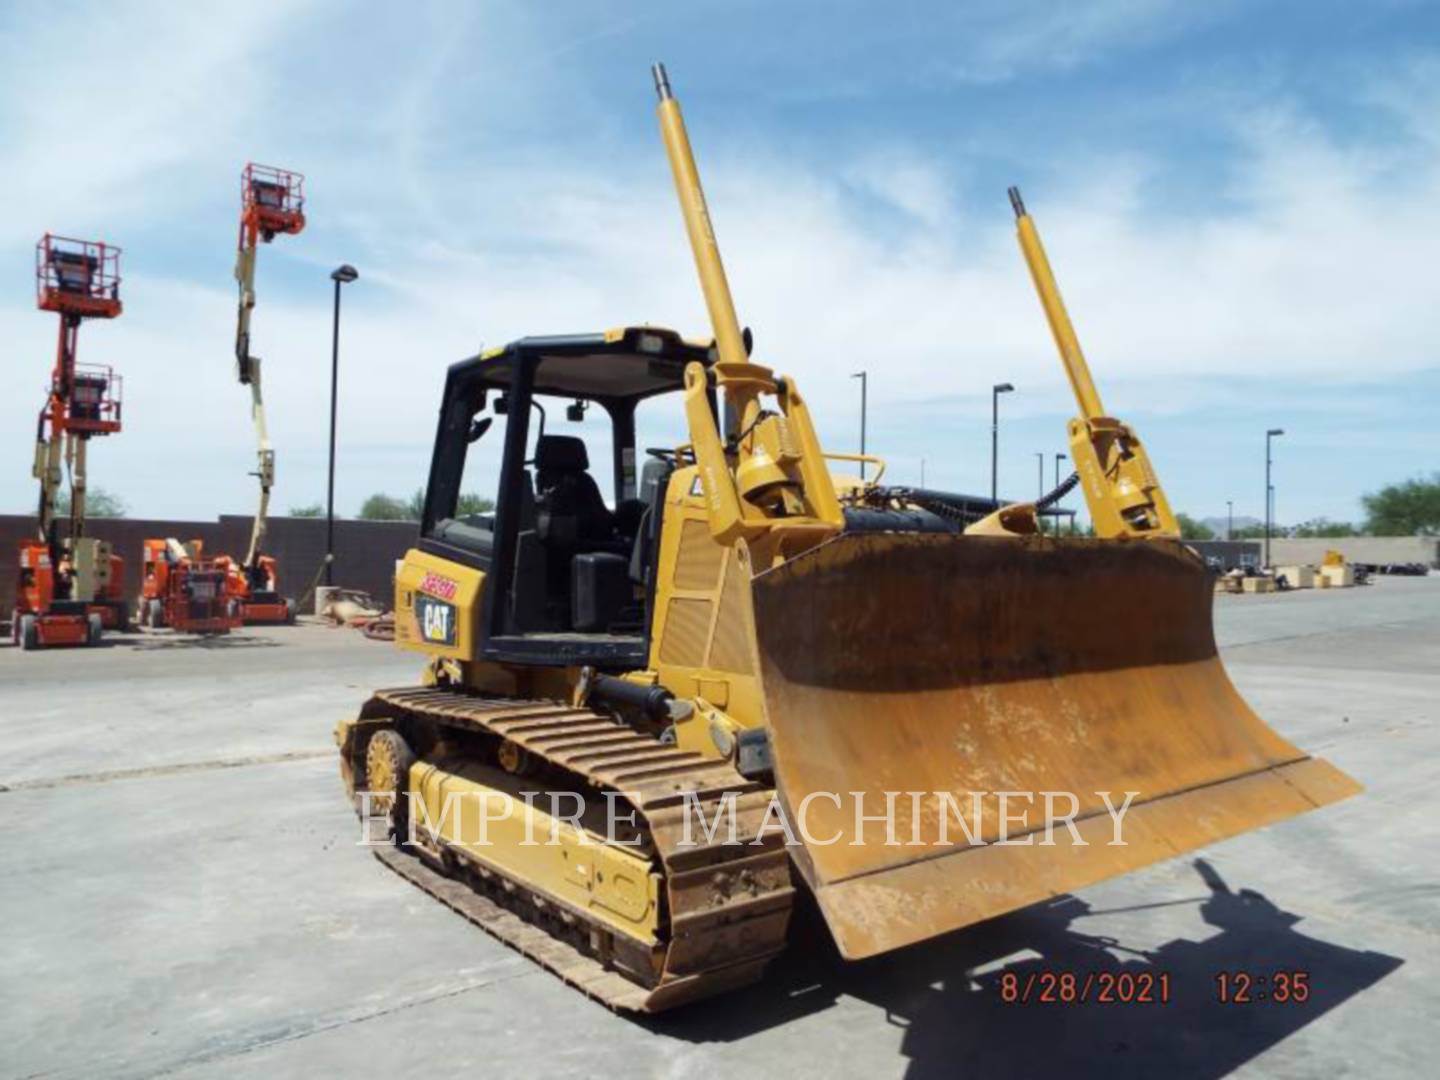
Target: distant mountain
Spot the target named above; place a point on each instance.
(1217, 525)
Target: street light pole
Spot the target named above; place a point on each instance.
(995, 392)
(864, 378)
(1269, 491)
(1040, 471)
(340, 275)
(922, 472)
(1058, 458)
(1229, 519)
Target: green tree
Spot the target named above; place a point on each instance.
(382, 507)
(471, 504)
(1404, 509)
(1320, 527)
(309, 510)
(1190, 529)
(98, 503)
(1255, 532)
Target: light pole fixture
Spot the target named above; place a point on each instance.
(995, 392)
(864, 378)
(341, 275)
(1269, 491)
(1058, 458)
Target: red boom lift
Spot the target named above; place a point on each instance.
(272, 203)
(71, 586)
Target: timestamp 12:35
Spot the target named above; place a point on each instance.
(1251, 987)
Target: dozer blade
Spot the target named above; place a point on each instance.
(964, 667)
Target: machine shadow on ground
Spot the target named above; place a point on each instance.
(162, 641)
(946, 994)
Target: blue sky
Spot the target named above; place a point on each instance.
(1241, 201)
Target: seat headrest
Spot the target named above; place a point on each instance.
(561, 453)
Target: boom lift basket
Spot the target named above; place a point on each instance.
(77, 277)
(95, 400)
(272, 200)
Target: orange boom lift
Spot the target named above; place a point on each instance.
(71, 586)
(184, 590)
(272, 203)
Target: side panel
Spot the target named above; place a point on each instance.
(35, 589)
(437, 606)
(91, 561)
(702, 643)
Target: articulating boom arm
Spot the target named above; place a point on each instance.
(1121, 488)
(53, 442)
(48, 456)
(768, 475)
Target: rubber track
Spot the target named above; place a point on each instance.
(728, 904)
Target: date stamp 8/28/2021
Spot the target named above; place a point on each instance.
(1102, 987)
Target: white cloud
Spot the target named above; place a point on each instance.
(100, 109)
(1005, 40)
(1308, 270)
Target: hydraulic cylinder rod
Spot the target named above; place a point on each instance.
(1121, 488)
(1061, 327)
(749, 489)
(734, 370)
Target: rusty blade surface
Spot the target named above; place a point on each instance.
(961, 668)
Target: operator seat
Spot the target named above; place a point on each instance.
(567, 494)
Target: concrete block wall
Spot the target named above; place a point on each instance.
(1365, 549)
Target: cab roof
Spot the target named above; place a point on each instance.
(626, 363)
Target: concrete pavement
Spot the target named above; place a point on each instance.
(182, 895)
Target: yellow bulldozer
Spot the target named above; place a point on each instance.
(646, 722)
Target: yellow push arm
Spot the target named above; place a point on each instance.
(1121, 489)
(769, 474)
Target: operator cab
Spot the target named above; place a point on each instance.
(534, 481)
